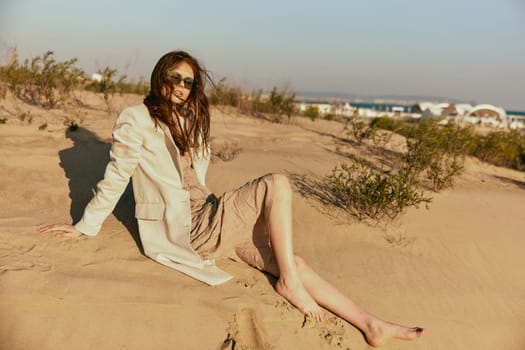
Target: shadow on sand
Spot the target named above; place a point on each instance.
(84, 165)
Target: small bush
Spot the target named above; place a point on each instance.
(26, 117)
(71, 124)
(225, 95)
(387, 123)
(42, 126)
(276, 104)
(42, 80)
(140, 87)
(501, 148)
(107, 86)
(3, 120)
(368, 193)
(436, 152)
(359, 130)
(227, 151)
(312, 112)
(270, 106)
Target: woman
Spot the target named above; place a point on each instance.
(163, 144)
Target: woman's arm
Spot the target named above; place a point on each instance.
(61, 230)
(124, 157)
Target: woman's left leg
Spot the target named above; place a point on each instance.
(376, 331)
(279, 214)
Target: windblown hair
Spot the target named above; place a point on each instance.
(195, 109)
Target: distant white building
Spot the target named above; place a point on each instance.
(463, 108)
(489, 115)
(348, 110)
(96, 77)
(516, 123)
(322, 108)
(428, 109)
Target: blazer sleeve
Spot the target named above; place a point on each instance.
(124, 156)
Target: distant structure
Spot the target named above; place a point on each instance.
(96, 77)
(458, 113)
(323, 108)
(489, 114)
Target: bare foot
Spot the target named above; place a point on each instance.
(380, 331)
(298, 296)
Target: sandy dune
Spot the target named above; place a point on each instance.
(455, 269)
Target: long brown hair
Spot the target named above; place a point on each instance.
(195, 109)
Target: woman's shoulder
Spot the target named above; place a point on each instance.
(136, 114)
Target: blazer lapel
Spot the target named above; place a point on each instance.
(172, 148)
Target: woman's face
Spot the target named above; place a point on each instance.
(182, 78)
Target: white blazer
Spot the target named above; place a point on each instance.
(149, 156)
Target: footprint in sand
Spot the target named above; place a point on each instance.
(332, 331)
(21, 258)
(244, 333)
(24, 265)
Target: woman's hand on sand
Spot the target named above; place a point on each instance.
(60, 230)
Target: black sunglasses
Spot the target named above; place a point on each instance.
(176, 78)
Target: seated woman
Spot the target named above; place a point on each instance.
(163, 145)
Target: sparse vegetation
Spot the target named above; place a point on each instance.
(71, 124)
(500, 148)
(227, 151)
(312, 112)
(435, 152)
(225, 95)
(359, 130)
(271, 106)
(25, 117)
(365, 192)
(42, 80)
(107, 85)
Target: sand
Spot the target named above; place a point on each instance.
(455, 269)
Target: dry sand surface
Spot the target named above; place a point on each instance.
(455, 269)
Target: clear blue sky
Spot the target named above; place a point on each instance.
(471, 50)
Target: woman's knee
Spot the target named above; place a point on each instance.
(281, 183)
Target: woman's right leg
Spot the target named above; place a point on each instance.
(278, 212)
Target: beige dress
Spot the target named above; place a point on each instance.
(232, 225)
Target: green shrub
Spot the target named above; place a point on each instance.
(71, 124)
(42, 80)
(387, 123)
(272, 106)
(312, 112)
(359, 130)
(436, 152)
(107, 86)
(501, 148)
(140, 87)
(368, 193)
(225, 95)
(227, 151)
